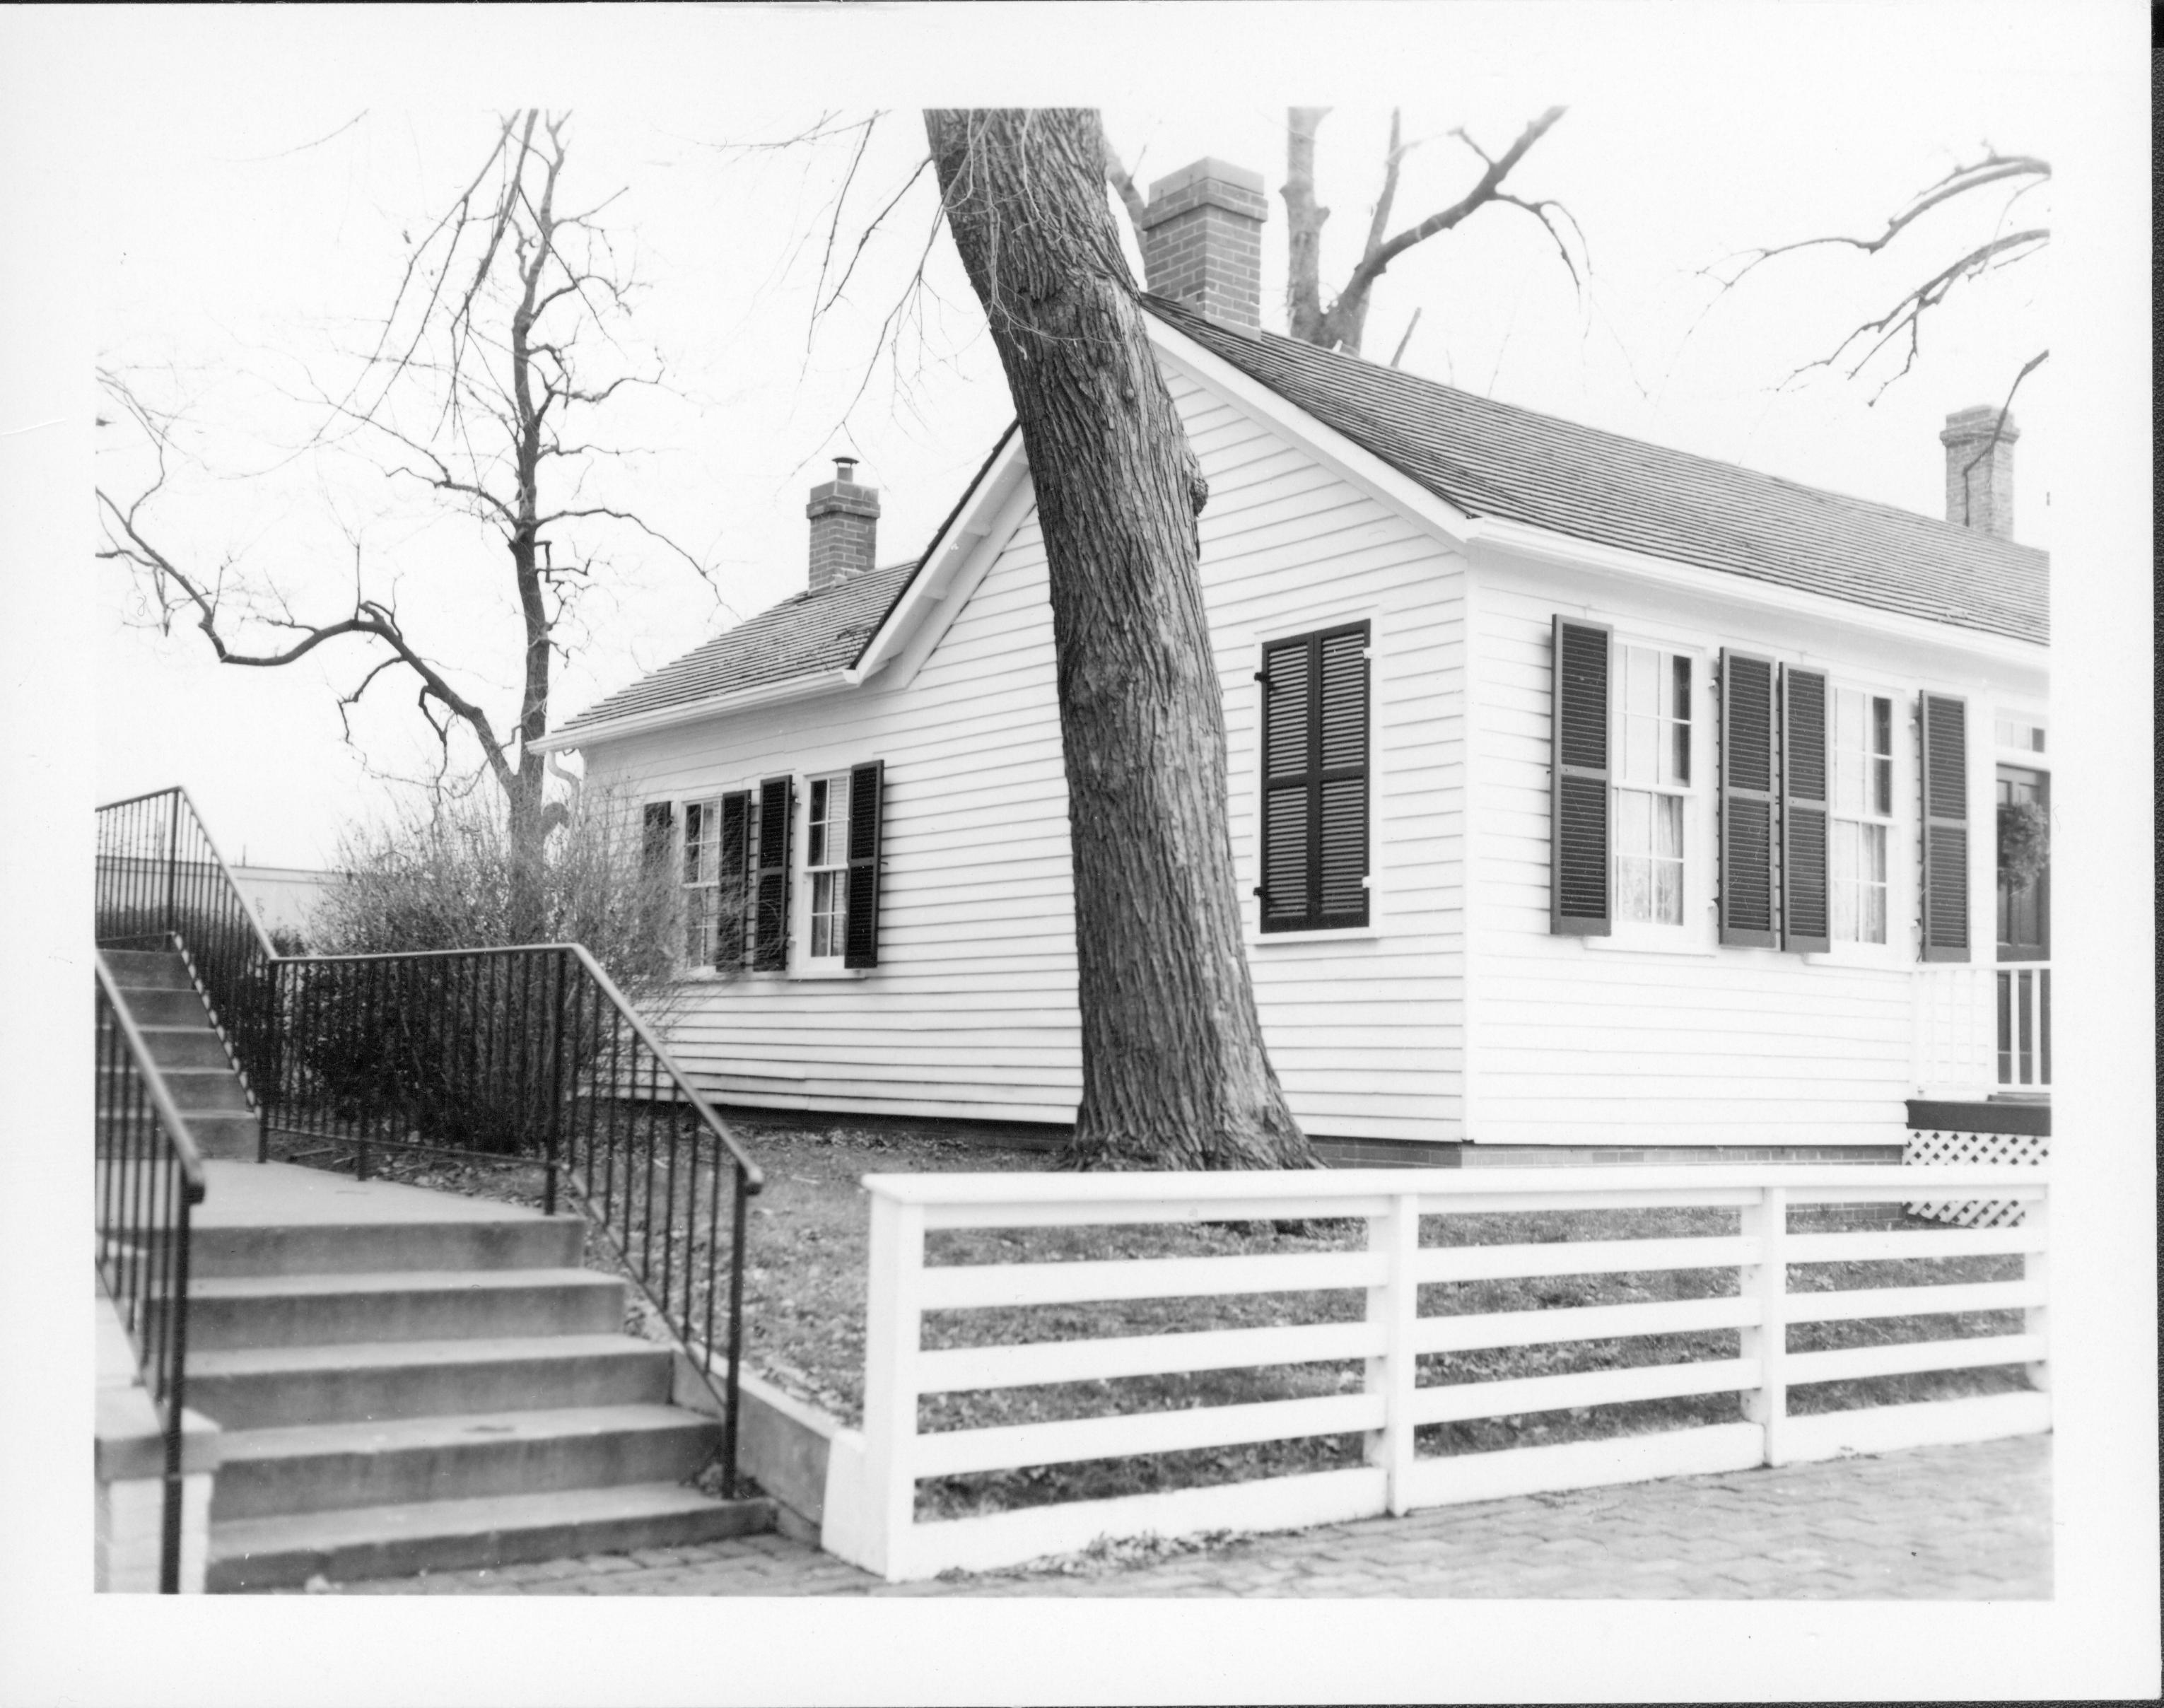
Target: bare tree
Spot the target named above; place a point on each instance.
(481, 382)
(1175, 1074)
(2010, 177)
(1342, 322)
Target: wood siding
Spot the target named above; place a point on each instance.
(1617, 1041)
(971, 1010)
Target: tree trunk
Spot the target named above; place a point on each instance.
(1174, 1070)
(1304, 223)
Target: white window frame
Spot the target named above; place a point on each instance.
(1894, 946)
(1695, 934)
(1902, 946)
(680, 807)
(803, 965)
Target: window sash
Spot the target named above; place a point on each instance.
(826, 864)
(1650, 717)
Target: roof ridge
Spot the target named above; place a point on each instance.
(1179, 313)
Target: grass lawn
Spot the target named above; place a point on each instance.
(804, 1300)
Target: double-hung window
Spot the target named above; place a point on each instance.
(1652, 700)
(826, 864)
(1863, 813)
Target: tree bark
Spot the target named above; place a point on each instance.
(1175, 1074)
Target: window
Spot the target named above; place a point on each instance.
(1315, 781)
(702, 848)
(712, 873)
(826, 864)
(1863, 813)
(1653, 743)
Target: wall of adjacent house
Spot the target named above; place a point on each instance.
(972, 1010)
(1636, 1041)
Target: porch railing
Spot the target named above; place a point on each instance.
(148, 1179)
(2024, 1015)
(531, 1055)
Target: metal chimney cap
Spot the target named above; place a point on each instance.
(845, 468)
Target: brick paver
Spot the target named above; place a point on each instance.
(1951, 1523)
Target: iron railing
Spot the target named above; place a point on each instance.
(162, 883)
(532, 1055)
(149, 1180)
(527, 1055)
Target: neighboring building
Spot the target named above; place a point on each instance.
(1584, 792)
(284, 897)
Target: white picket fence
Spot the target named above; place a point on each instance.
(870, 1515)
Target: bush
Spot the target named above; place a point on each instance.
(466, 1052)
(452, 878)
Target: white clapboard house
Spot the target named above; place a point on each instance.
(1584, 792)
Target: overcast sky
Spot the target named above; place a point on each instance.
(242, 246)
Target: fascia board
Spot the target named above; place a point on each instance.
(973, 524)
(1359, 466)
(1524, 540)
(696, 710)
(971, 568)
(983, 523)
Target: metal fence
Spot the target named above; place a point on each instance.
(149, 1180)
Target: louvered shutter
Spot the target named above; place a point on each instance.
(1315, 781)
(867, 802)
(1748, 886)
(1579, 862)
(1945, 742)
(733, 871)
(770, 903)
(1805, 804)
(658, 838)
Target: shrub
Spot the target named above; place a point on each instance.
(466, 1052)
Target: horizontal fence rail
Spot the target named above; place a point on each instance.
(1395, 1287)
(148, 1179)
(531, 1056)
(162, 883)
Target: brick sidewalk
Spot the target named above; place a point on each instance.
(1951, 1523)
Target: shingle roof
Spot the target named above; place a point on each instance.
(804, 634)
(1490, 459)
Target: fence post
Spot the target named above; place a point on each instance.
(2036, 1267)
(893, 1330)
(172, 862)
(1766, 1281)
(1396, 1303)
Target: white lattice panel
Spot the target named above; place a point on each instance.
(1924, 1148)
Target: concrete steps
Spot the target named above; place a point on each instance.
(166, 1007)
(410, 1380)
(374, 1541)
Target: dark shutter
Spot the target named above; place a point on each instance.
(1945, 741)
(1803, 808)
(658, 839)
(1578, 829)
(1747, 849)
(1315, 781)
(733, 872)
(867, 802)
(770, 922)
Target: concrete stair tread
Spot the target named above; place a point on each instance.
(287, 1196)
(395, 1281)
(381, 1541)
(393, 1354)
(392, 1435)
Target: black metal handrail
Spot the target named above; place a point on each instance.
(161, 882)
(531, 1055)
(149, 1178)
(526, 1054)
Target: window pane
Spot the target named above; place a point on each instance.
(1873, 923)
(1872, 851)
(1642, 686)
(837, 820)
(1633, 890)
(1642, 749)
(816, 826)
(1844, 912)
(1634, 827)
(1668, 826)
(1668, 896)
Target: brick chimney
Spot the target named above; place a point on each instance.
(844, 526)
(1980, 474)
(1202, 241)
